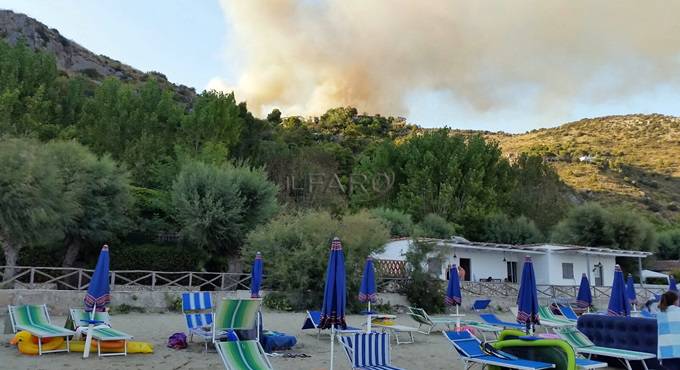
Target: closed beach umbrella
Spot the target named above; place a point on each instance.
(98, 294)
(256, 276)
(527, 299)
(630, 290)
(367, 292)
(672, 285)
(584, 299)
(334, 296)
(619, 305)
(453, 295)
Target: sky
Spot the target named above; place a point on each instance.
(510, 66)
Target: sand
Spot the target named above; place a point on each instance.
(428, 352)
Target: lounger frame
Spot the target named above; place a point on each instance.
(16, 327)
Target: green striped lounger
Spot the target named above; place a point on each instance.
(236, 314)
(101, 331)
(549, 319)
(35, 320)
(583, 345)
(243, 355)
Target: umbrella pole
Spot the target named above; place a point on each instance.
(88, 338)
(368, 318)
(332, 344)
(457, 319)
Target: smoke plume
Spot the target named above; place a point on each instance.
(305, 56)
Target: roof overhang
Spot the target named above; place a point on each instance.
(488, 247)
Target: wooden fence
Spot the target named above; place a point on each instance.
(66, 278)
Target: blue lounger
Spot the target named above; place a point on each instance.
(470, 351)
(567, 312)
(480, 304)
(492, 319)
(313, 321)
(368, 351)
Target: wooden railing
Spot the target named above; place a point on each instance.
(65, 278)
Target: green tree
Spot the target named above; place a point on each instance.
(216, 206)
(100, 189)
(630, 231)
(435, 226)
(586, 225)
(296, 247)
(669, 244)
(499, 228)
(32, 208)
(400, 224)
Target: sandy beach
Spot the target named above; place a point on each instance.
(428, 352)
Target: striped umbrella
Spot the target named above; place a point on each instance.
(334, 297)
(256, 276)
(584, 299)
(527, 298)
(98, 294)
(453, 294)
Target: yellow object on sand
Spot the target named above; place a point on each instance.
(24, 342)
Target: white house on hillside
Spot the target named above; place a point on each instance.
(553, 264)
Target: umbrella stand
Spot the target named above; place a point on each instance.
(88, 338)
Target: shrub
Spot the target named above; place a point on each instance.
(423, 290)
(399, 223)
(154, 257)
(499, 228)
(298, 245)
(668, 243)
(586, 225)
(277, 301)
(435, 226)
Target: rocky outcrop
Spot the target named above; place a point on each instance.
(71, 57)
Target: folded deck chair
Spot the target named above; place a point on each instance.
(243, 355)
(313, 321)
(470, 351)
(567, 311)
(549, 319)
(584, 346)
(368, 351)
(430, 322)
(101, 331)
(35, 320)
(480, 304)
(197, 309)
(492, 319)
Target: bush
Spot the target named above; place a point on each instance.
(399, 223)
(435, 226)
(277, 301)
(154, 257)
(499, 228)
(298, 245)
(423, 290)
(586, 225)
(668, 243)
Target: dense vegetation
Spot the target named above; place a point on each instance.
(84, 162)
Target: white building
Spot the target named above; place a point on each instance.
(553, 264)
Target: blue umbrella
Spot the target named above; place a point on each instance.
(527, 299)
(630, 290)
(367, 291)
(672, 285)
(584, 299)
(619, 305)
(256, 276)
(453, 295)
(98, 294)
(334, 296)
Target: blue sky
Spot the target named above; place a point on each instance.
(192, 42)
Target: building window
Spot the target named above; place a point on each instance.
(567, 271)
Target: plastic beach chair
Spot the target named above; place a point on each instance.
(470, 351)
(197, 309)
(101, 331)
(584, 346)
(492, 319)
(35, 320)
(243, 355)
(368, 351)
(567, 312)
(480, 304)
(429, 322)
(313, 321)
(549, 319)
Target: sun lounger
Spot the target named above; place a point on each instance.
(470, 351)
(197, 309)
(492, 319)
(313, 321)
(567, 311)
(35, 320)
(243, 355)
(368, 351)
(482, 328)
(396, 329)
(647, 315)
(101, 331)
(480, 304)
(430, 322)
(549, 319)
(583, 345)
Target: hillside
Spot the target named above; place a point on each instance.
(72, 58)
(632, 158)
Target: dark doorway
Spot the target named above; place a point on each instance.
(512, 271)
(599, 279)
(465, 264)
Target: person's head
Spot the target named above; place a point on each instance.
(668, 299)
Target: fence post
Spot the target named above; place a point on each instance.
(153, 280)
(80, 279)
(113, 279)
(31, 281)
(222, 281)
(191, 278)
